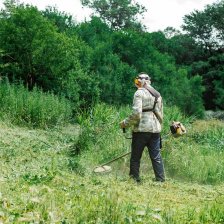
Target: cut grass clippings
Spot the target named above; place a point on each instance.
(37, 185)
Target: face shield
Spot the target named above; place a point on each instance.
(141, 80)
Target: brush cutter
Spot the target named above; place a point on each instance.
(177, 129)
(103, 168)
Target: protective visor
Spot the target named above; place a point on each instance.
(138, 78)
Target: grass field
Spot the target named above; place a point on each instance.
(41, 180)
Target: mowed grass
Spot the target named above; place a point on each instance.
(74, 199)
(42, 182)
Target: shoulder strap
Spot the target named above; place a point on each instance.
(155, 93)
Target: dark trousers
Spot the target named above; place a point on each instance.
(152, 142)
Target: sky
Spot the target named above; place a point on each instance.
(160, 13)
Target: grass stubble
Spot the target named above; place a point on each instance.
(41, 181)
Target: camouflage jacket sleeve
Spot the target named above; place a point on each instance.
(135, 117)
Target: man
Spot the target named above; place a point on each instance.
(146, 121)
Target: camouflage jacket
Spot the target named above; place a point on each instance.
(145, 121)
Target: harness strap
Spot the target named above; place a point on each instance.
(156, 94)
(147, 110)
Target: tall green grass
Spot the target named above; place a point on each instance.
(33, 108)
(101, 138)
(100, 135)
(197, 156)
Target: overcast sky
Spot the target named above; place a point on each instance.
(160, 14)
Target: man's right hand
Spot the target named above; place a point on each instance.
(122, 124)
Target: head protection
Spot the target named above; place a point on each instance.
(177, 129)
(142, 79)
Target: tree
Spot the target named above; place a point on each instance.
(213, 76)
(206, 26)
(35, 52)
(139, 51)
(216, 12)
(89, 60)
(62, 20)
(171, 32)
(118, 14)
(110, 71)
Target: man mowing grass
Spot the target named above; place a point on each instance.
(146, 122)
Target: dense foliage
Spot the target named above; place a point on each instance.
(117, 14)
(97, 60)
(207, 29)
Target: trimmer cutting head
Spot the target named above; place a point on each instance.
(102, 169)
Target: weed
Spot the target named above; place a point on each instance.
(35, 108)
